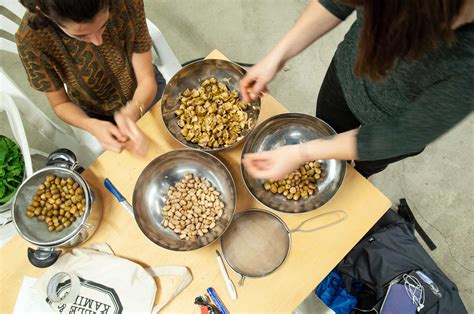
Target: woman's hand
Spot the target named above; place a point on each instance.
(137, 143)
(315, 21)
(107, 134)
(278, 163)
(255, 82)
(131, 110)
(274, 164)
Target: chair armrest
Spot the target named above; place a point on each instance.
(13, 115)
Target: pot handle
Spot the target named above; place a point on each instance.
(241, 281)
(41, 258)
(63, 158)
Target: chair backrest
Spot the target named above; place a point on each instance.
(32, 113)
(14, 6)
(163, 56)
(8, 25)
(36, 117)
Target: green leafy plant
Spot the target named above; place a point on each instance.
(11, 169)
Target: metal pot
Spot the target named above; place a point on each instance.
(61, 163)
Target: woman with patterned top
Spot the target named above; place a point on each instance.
(93, 60)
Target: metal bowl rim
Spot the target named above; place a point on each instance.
(208, 150)
(275, 117)
(289, 242)
(84, 217)
(234, 189)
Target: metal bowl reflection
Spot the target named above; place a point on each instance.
(290, 129)
(151, 190)
(191, 77)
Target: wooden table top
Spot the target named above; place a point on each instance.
(312, 255)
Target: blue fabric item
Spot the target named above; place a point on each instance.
(333, 293)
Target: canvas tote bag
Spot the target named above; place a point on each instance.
(94, 280)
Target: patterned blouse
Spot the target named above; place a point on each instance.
(99, 79)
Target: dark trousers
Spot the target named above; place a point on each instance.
(332, 108)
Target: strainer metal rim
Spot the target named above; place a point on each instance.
(85, 216)
(249, 211)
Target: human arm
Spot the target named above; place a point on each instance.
(146, 85)
(315, 21)
(43, 78)
(144, 94)
(144, 74)
(278, 163)
(142, 62)
(107, 134)
(433, 113)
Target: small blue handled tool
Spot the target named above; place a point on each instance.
(119, 196)
(217, 301)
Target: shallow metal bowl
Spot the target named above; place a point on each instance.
(191, 77)
(151, 190)
(289, 129)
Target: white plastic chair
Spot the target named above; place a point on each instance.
(163, 57)
(8, 106)
(13, 115)
(40, 121)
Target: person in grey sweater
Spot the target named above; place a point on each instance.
(402, 76)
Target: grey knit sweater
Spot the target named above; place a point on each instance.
(416, 103)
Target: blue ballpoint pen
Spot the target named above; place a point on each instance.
(217, 301)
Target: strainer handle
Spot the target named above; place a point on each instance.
(344, 216)
(241, 281)
(64, 158)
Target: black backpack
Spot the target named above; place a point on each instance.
(389, 250)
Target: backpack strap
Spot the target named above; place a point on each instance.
(405, 211)
(179, 271)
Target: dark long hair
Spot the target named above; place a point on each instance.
(58, 11)
(396, 30)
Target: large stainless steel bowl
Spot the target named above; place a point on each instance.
(151, 190)
(191, 77)
(290, 129)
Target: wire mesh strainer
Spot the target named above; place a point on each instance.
(258, 242)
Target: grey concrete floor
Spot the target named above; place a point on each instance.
(437, 183)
